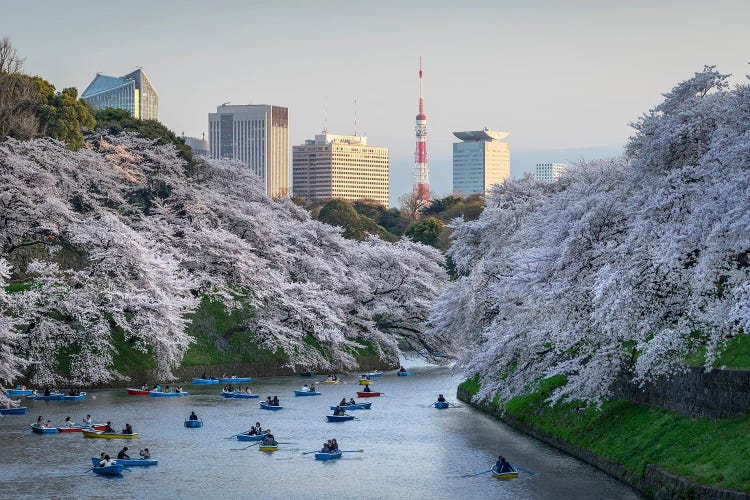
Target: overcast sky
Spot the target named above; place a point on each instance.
(564, 78)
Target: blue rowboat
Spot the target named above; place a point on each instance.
(13, 411)
(197, 381)
(358, 406)
(55, 396)
(40, 429)
(77, 397)
(403, 374)
(128, 462)
(112, 470)
(238, 395)
(18, 392)
(248, 437)
(376, 374)
(441, 405)
(230, 380)
(327, 456)
(339, 418)
(160, 394)
(266, 406)
(193, 423)
(307, 374)
(306, 393)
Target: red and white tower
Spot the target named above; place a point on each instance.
(421, 172)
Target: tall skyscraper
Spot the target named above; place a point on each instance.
(258, 136)
(133, 92)
(480, 160)
(340, 166)
(549, 172)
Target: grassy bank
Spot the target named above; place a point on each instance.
(711, 452)
(735, 355)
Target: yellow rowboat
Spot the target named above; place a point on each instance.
(505, 475)
(363, 381)
(331, 382)
(108, 435)
(268, 448)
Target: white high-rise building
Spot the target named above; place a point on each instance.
(480, 160)
(258, 136)
(549, 172)
(340, 166)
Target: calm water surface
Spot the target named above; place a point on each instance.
(411, 451)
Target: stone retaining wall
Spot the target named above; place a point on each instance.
(694, 393)
(655, 483)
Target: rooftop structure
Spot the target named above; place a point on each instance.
(480, 160)
(133, 93)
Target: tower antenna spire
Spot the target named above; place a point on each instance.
(421, 172)
(355, 116)
(325, 115)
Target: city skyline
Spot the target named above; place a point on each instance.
(565, 81)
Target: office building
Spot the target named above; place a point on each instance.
(133, 92)
(549, 172)
(480, 160)
(199, 146)
(340, 166)
(258, 136)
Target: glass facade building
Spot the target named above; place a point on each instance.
(258, 136)
(133, 92)
(549, 172)
(480, 160)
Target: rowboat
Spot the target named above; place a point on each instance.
(161, 394)
(368, 394)
(193, 423)
(229, 380)
(107, 435)
(40, 429)
(248, 437)
(364, 381)
(358, 406)
(54, 396)
(327, 456)
(273, 447)
(306, 393)
(403, 374)
(441, 404)
(132, 391)
(77, 397)
(339, 418)
(197, 381)
(80, 428)
(505, 475)
(128, 462)
(375, 375)
(266, 406)
(13, 411)
(110, 470)
(238, 395)
(330, 382)
(18, 392)
(307, 374)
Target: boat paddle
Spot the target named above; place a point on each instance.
(454, 405)
(246, 447)
(478, 473)
(232, 437)
(352, 451)
(530, 472)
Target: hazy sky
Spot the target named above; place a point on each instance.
(564, 78)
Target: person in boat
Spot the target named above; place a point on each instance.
(334, 446)
(441, 398)
(258, 429)
(367, 389)
(87, 421)
(343, 402)
(304, 388)
(402, 369)
(40, 420)
(101, 456)
(268, 439)
(46, 391)
(145, 454)
(193, 416)
(123, 455)
(179, 389)
(144, 387)
(248, 391)
(330, 377)
(109, 428)
(69, 422)
(269, 401)
(275, 401)
(128, 429)
(502, 465)
(72, 392)
(351, 401)
(252, 431)
(326, 448)
(48, 425)
(166, 388)
(203, 376)
(312, 387)
(106, 462)
(339, 411)
(223, 375)
(156, 388)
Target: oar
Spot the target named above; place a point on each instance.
(454, 405)
(246, 447)
(232, 437)
(87, 470)
(432, 404)
(478, 473)
(530, 472)
(308, 452)
(352, 451)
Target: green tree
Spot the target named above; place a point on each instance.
(356, 227)
(425, 231)
(61, 114)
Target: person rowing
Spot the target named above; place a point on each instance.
(268, 439)
(339, 411)
(252, 432)
(275, 401)
(402, 369)
(343, 402)
(87, 421)
(69, 423)
(106, 462)
(351, 401)
(123, 455)
(108, 428)
(367, 389)
(441, 398)
(304, 388)
(326, 447)
(193, 416)
(128, 429)
(502, 465)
